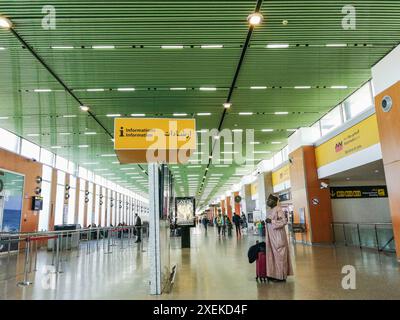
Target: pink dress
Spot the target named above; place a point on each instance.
(277, 247)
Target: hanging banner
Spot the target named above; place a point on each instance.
(358, 192)
(154, 140)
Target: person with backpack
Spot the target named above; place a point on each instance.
(236, 221)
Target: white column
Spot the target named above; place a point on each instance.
(154, 235)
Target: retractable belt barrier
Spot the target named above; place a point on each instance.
(31, 239)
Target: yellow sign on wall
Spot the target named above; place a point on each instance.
(281, 175)
(359, 137)
(254, 189)
(147, 140)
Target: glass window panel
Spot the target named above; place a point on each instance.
(61, 163)
(47, 173)
(58, 220)
(61, 177)
(331, 120)
(46, 157)
(82, 172)
(30, 150)
(44, 214)
(71, 205)
(318, 128)
(90, 212)
(9, 141)
(358, 102)
(71, 167)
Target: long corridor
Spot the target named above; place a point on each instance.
(213, 268)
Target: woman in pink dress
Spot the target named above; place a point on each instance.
(277, 248)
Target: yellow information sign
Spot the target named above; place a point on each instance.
(359, 137)
(281, 175)
(150, 140)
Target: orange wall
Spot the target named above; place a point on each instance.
(305, 186)
(18, 164)
(389, 133)
(229, 207)
(238, 209)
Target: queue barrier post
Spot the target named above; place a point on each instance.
(26, 282)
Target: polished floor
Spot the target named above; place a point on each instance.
(213, 268)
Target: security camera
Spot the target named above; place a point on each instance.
(34, 160)
(387, 103)
(324, 185)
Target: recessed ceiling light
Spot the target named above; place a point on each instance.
(255, 18)
(258, 87)
(4, 118)
(84, 108)
(42, 90)
(95, 90)
(83, 146)
(212, 46)
(281, 113)
(255, 142)
(90, 133)
(245, 113)
(115, 162)
(227, 105)
(339, 87)
(5, 23)
(277, 45)
(207, 88)
(237, 130)
(69, 116)
(267, 130)
(337, 45)
(2, 48)
(126, 89)
(137, 115)
(33, 134)
(103, 47)
(302, 87)
(177, 89)
(108, 155)
(262, 152)
(55, 147)
(217, 137)
(62, 47)
(172, 47)
(276, 142)
(113, 115)
(204, 114)
(180, 114)
(228, 143)
(65, 133)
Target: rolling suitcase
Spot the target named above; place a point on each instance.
(261, 268)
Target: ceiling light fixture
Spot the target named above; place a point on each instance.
(83, 146)
(227, 105)
(279, 113)
(33, 134)
(336, 45)
(245, 113)
(212, 46)
(207, 88)
(258, 87)
(113, 115)
(339, 87)
(276, 142)
(95, 90)
(62, 47)
(55, 147)
(103, 47)
(138, 115)
(84, 108)
(4, 118)
(42, 90)
(69, 116)
(5, 23)
(180, 114)
(204, 114)
(172, 47)
(302, 87)
(177, 89)
(267, 130)
(277, 46)
(90, 133)
(255, 18)
(65, 133)
(126, 89)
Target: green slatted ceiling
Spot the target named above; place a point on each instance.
(152, 71)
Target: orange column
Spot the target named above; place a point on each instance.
(389, 132)
(309, 200)
(229, 207)
(238, 208)
(223, 207)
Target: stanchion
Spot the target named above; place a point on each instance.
(88, 242)
(78, 251)
(25, 282)
(97, 240)
(122, 239)
(109, 234)
(58, 255)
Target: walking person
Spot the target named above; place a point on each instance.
(224, 223)
(205, 222)
(220, 222)
(138, 228)
(236, 221)
(277, 248)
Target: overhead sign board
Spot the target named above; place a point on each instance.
(281, 175)
(359, 192)
(154, 140)
(359, 137)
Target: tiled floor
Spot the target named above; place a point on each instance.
(212, 268)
